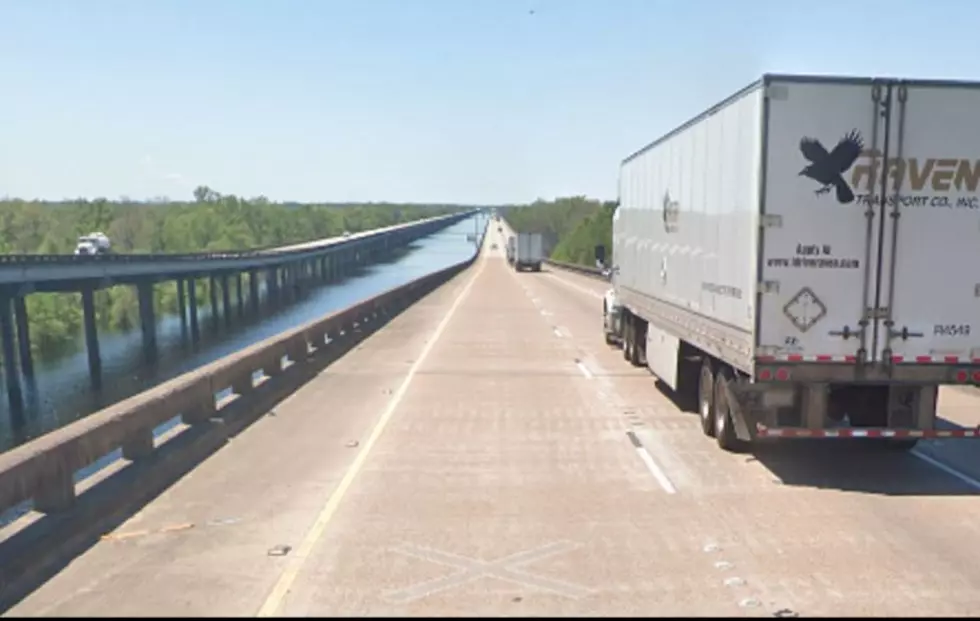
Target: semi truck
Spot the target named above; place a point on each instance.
(92, 244)
(530, 252)
(791, 261)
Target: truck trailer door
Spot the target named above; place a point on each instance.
(929, 293)
(820, 228)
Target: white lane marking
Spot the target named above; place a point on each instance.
(655, 470)
(274, 601)
(545, 313)
(584, 369)
(579, 288)
(975, 484)
(557, 332)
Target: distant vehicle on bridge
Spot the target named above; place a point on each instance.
(92, 244)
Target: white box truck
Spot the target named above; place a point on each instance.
(793, 260)
(530, 252)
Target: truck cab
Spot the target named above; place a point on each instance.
(612, 315)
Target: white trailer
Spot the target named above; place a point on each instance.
(530, 252)
(760, 273)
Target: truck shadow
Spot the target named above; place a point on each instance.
(857, 466)
(863, 466)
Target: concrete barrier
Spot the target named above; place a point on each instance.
(43, 470)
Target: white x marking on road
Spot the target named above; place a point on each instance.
(507, 568)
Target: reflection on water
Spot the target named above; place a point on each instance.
(61, 392)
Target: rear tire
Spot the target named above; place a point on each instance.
(706, 399)
(627, 336)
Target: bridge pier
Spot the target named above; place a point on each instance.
(238, 294)
(91, 337)
(192, 296)
(253, 291)
(148, 320)
(213, 293)
(226, 298)
(182, 305)
(14, 393)
(271, 289)
(23, 336)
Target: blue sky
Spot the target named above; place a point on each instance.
(474, 101)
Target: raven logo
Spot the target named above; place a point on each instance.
(827, 168)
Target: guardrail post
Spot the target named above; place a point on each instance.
(192, 295)
(203, 405)
(243, 385)
(148, 322)
(23, 336)
(56, 493)
(138, 444)
(14, 394)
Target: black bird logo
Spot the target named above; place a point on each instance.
(827, 168)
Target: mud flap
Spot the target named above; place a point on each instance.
(741, 424)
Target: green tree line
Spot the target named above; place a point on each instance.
(211, 222)
(571, 227)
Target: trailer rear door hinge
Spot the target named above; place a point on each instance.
(876, 313)
(769, 286)
(771, 221)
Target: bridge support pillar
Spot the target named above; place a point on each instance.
(182, 305)
(192, 296)
(271, 285)
(148, 320)
(24, 336)
(239, 297)
(226, 297)
(91, 337)
(213, 292)
(253, 290)
(14, 393)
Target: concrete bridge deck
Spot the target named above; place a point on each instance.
(473, 458)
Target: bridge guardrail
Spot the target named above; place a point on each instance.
(43, 469)
(17, 259)
(587, 270)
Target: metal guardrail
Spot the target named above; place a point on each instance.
(587, 270)
(293, 249)
(43, 470)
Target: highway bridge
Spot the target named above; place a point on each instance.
(294, 266)
(468, 444)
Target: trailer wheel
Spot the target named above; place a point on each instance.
(724, 429)
(636, 350)
(706, 398)
(627, 336)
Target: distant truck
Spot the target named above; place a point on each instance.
(511, 249)
(92, 244)
(530, 252)
(780, 292)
